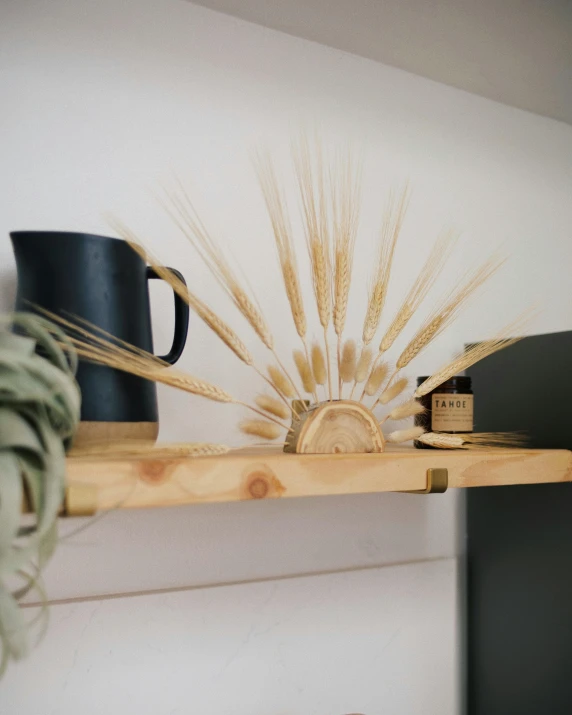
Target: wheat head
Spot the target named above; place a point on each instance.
(276, 207)
(442, 440)
(447, 310)
(420, 288)
(223, 331)
(272, 406)
(188, 383)
(305, 372)
(281, 381)
(318, 365)
(140, 448)
(405, 435)
(393, 218)
(311, 184)
(410, 408)
(376, 377)
(393, 391)
(183, 213)
(348, 361)
(345, 210)
(146, 367)
(363, 365)
(260, 428)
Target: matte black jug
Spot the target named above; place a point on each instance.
(104, 281)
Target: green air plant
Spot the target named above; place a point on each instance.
(39, 412)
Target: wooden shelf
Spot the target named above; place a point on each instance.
(270, 473)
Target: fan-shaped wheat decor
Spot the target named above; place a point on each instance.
(342, 391)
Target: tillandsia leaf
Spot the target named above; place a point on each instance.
(48, 338)
(39, 409)
(10, 501)
(13, 630)
(17, 433)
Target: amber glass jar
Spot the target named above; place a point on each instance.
(449, 408)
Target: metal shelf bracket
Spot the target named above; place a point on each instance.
(437, 482)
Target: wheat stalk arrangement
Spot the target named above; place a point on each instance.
(329, 202)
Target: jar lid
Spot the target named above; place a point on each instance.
(461, 382)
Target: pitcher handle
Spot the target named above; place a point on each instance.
(181, 320)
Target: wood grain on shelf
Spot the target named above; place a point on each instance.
(270, 473)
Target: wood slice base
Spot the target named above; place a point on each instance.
(337, 427)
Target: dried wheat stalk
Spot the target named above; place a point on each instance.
(447, 310)
(475, 353)
(376, 377)
(392, 391)
(410, 408)
(311, 183)
(276, 207)
(136, 448)
(136, 361)
(490, 440)
(272, 406)
(364, 362)
(348, 362)
(405, 435)
(281, 381)
(305, 372)
(120, 359)
(393, 218)
(98, 337)
(260, 428)
(476, 440)
(345, 211)
(362, 368)
(418, 291)
(184, 214)
(208, 316)
(318, 365)
(441, 440)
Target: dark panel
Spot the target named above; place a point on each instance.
(519, 548)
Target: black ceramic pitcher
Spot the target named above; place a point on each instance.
(105, 282)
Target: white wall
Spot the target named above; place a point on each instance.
(99, 102)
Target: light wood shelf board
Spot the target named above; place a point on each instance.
(270, 473)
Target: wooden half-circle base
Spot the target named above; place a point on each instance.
(338, 427)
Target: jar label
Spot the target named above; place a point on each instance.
(451, 413)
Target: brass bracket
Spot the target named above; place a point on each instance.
(437, 482)
(81, 500)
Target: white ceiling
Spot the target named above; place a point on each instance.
(518, 52)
